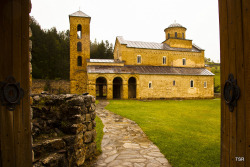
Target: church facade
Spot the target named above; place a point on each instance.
(174, 68)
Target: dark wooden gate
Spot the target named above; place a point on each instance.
(15, 142)
(235, 58)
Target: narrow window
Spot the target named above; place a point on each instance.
(139, 59)
(183, 36)
(79, 61)
(184, 61)
(168, 35)
(173, 82)
(205, 84)
(150, 84)
(79, 46)
(79, 31)
(175, 34)
(191, 83)
(164, 60)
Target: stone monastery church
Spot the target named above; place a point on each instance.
(174, 68)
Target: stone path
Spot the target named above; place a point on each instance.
(125, 144)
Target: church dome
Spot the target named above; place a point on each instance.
(175, 25)
(175, 30)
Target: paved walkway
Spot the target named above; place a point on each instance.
(125, 144)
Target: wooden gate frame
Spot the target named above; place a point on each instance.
(15, 130)
(235, 59)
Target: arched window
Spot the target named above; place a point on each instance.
(191, 83)
(79, 31)
(150, 84)
(183, 36)
(79, 46)
(173, 82)
(138, 59)
(168, 35)
(205, 84)
(184, 61)
(164, 60)
(175, 34)
(79, 61)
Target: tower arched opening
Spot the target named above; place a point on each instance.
(79, 31)
(79, 46)
(79, 61)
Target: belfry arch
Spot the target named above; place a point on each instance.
(79, 31)
(132, 88)
(101, 88)
(117, 88)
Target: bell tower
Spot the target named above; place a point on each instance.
(79, 51)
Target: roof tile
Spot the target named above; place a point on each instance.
(79, 14)
(154, 45)
(128, 69)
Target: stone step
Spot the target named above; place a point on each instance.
(52, 160)
(48, 146)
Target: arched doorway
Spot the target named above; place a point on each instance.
(117, 88)
(101, 88)
(132, 88)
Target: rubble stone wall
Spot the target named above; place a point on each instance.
(63, 129)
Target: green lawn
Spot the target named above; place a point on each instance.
(187, 132)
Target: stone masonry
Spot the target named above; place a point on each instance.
(63, 130)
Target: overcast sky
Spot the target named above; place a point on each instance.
(137, 20)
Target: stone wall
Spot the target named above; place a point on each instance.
(172, 31)
(153, 57)
(63, 129)
(217, 95)
(52, 86)
(162, 86)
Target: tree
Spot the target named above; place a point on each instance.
(50, 52)
(101, 50)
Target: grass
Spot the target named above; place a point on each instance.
(99, 131)
(96, 102)
(187, 132)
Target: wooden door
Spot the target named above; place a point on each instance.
(235, 58)
(15, 141)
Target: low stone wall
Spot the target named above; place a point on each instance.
(63, 130)
(217, 95)
(51, 86)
